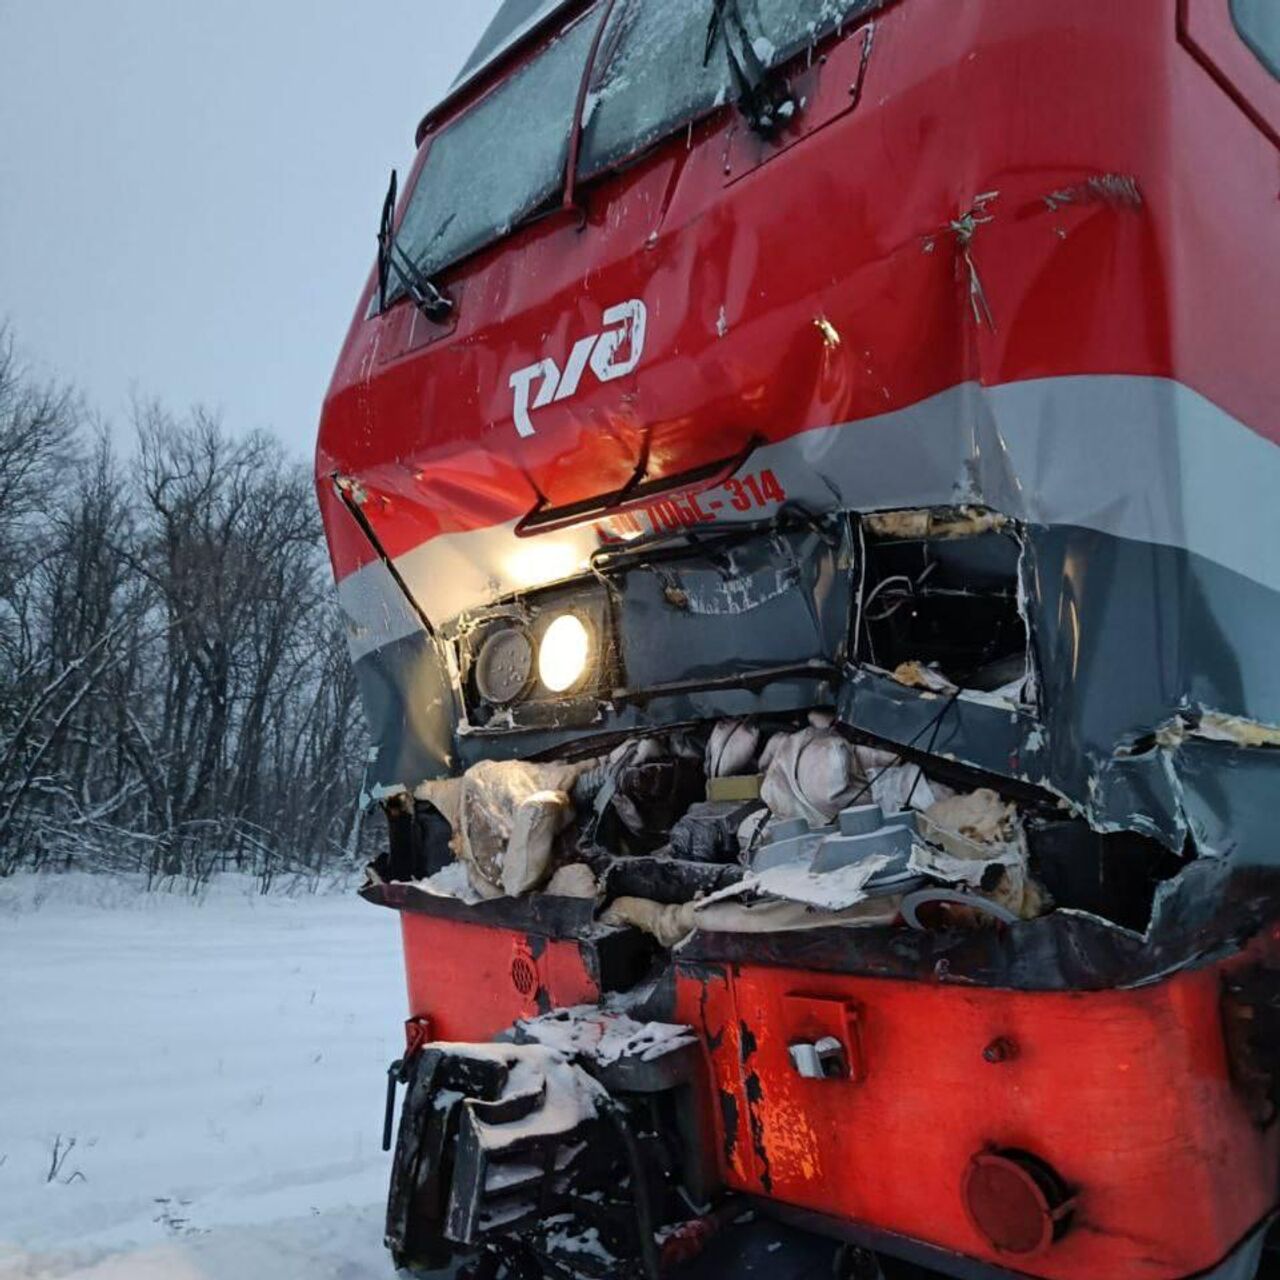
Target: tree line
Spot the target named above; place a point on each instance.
(175, 692)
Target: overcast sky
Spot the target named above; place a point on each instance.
(189, 189)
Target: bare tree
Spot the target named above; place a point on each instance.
(175, 694)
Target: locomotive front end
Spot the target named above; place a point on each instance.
(800, 481)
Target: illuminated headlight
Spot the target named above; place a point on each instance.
(564, 653)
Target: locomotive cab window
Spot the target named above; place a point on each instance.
(650, 77)
(661, 63)
(499, 162)
(784, 27)
(1258, 22)
(664, 63)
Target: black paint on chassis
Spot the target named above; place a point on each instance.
(1211, 911)
(777, 1244)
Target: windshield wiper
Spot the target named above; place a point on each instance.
(384, 239)
(429, 298)
(764, 96)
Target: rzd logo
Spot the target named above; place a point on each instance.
(602, 351)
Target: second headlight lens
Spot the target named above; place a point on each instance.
(564, 653)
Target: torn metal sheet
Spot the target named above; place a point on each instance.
(934, 522)
(1107, 188)
(901, 488)
(964, 228)
(985, 363)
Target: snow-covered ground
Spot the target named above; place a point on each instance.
(219, 1066)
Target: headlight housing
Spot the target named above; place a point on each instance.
(536, 660)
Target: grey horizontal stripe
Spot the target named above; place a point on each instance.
(1140, 458)
(1146, 459)
(375, 609)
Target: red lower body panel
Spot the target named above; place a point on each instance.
(472, 981)
(1127, 1094)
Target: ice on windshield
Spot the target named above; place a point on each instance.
(650, 77)
(783, 27)
(506, 156)
(501, 160)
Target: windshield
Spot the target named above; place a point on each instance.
(649, 78)
(653, 72)
(505, 157)
(500, 161)
(787, 26)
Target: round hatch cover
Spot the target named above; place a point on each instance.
(1016, 1201)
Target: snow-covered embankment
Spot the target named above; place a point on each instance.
(192, 1090)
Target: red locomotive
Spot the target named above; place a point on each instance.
(800, 480)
